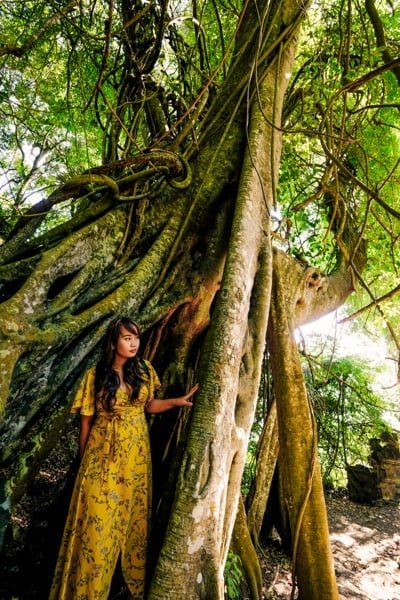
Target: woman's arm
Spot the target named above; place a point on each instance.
(157, 406)
(86, 425)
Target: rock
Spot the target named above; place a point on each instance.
(362, 484)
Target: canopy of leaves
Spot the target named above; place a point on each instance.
(78, 84)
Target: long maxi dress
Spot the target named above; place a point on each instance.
(110, 506)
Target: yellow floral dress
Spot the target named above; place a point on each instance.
(110, 505)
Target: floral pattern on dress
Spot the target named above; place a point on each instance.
(110, 506)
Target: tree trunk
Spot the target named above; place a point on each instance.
(298, 461)
(197, 539)
(267, 455)
(243, 546)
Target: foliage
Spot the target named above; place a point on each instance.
(342, 148)
(349, 413)
(45, 133)
(61, 108)
(233, 576)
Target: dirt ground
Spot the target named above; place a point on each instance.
(366, 549)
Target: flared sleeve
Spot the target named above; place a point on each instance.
(84, 402)
(154, 382)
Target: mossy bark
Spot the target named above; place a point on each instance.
(194, 541)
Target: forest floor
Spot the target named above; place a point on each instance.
(366, 549)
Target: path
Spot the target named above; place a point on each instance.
(366, 549)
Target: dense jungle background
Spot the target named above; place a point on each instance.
(224, 173)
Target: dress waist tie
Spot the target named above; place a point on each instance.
(112, 418)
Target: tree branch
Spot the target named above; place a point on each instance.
(19, 51)
(380, 37)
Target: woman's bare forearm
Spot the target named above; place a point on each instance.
(156, 406)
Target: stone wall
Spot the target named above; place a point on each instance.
(382, 480)
(385, 459)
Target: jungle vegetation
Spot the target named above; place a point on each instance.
(222, 172)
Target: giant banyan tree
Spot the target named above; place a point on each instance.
(181, 204)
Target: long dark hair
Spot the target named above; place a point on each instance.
(107, 381)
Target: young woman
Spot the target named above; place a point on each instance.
(110, 505)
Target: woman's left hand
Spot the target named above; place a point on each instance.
(184, 400)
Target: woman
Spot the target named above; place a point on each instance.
(110, 505)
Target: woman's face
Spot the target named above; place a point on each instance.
(127, 344)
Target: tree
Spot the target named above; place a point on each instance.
(167, 125)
